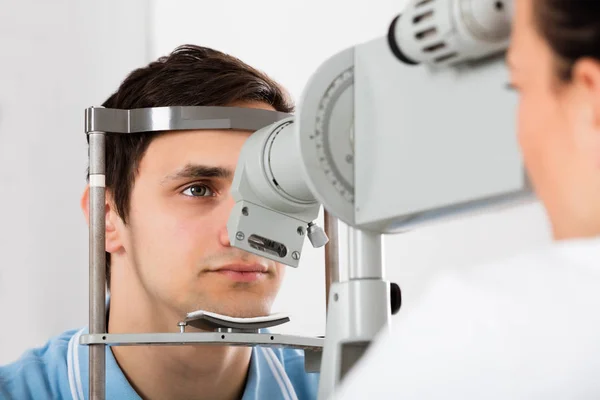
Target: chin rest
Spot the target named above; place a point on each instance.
(210, 321)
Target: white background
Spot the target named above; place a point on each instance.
(56, 58)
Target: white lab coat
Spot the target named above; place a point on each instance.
(524, 328)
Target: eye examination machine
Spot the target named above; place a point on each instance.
(405, 130)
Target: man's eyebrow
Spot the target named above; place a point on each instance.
(196, 171)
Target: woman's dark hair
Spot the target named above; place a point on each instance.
(571, 28)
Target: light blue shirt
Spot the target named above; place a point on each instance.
(59, 370)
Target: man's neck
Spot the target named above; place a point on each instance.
(173, 372)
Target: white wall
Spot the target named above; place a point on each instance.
(289, 40)
(56, 59)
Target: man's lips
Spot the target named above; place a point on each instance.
(243, 268)
(241, 272)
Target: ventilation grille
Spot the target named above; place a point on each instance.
(426, 31)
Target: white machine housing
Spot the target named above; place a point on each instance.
(410, 145)
(430, 142)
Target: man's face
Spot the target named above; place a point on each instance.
(176, 237)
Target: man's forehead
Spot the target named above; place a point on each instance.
(200, 140)
(173, 151)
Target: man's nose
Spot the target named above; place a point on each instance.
(225, 212)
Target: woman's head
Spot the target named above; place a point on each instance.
(554, 59)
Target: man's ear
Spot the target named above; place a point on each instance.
(113, 234)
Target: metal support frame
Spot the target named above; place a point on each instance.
(357, 309)
(100, 122)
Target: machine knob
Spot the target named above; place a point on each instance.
(396, 297)
(316, 235)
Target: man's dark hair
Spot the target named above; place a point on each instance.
(189, 76)
(571, 28)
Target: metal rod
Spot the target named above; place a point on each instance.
(332, 259)
(97, 301)
(365, 254)
(222, 338)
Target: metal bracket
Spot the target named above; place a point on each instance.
(312, 346)
(99, 123)
(158, 119)
(207, 338)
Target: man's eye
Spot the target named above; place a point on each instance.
(198, 191)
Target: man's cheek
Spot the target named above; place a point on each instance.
(281, 270)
